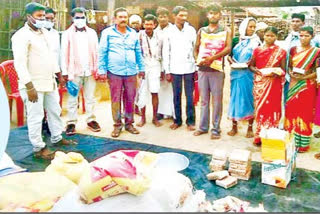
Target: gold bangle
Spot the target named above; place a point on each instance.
(30, 89)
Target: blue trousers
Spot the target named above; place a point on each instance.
(188, 90)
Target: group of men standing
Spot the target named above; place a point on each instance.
(163, 57)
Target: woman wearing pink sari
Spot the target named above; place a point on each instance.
(268, 64)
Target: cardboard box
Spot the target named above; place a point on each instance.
(280, 156)
(227, 182)
(277, 149)
(276, 173)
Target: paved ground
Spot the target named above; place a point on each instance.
(181, 138)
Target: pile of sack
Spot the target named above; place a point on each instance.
(70, 183)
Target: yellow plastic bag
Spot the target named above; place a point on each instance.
(71, 165)
(96, 184)
(36, 191)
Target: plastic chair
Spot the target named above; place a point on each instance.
(63, 90)
(2, 74)
(10, 76)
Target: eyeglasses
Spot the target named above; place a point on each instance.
(80, 17)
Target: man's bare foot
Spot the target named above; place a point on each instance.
(249, 134)
(191, 128)
(141, 123)
(317, 156)
(174, 126)
(233, 132)
(199, 132)
(156, 123)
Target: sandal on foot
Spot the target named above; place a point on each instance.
(115, 132)
(45, 153)
(132, 130)
(317, 135)
(215, 136)
(199, 132)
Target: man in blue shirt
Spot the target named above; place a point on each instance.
(120, 60)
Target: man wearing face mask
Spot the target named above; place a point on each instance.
(54, 39)
(36, 71)
(53, 33)
(79, 58)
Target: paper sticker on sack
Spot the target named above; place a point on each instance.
(96, 184)
(118, 172)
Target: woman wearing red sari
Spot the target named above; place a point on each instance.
(301, 99)
(268, 64)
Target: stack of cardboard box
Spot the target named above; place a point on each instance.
(240, 164)
(219, 160)
(278, 154)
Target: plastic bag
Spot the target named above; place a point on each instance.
(71, 165)
(72, 88)
(36, 191)
(96, 184)
(131, 169)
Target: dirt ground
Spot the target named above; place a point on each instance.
(181, 138)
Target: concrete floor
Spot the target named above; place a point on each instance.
(182, 138)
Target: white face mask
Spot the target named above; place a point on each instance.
(38, 23)
(80, 23)
(48, 24)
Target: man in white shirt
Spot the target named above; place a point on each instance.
(32, 52)
(152, 54)
(53, 33)
(54, 39)
(165, 107)
(179, 64)
(79, 64)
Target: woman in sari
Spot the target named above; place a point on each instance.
(268, 64)
(301, 99)
(241, 105)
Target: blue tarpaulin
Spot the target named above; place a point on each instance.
(301, 195)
